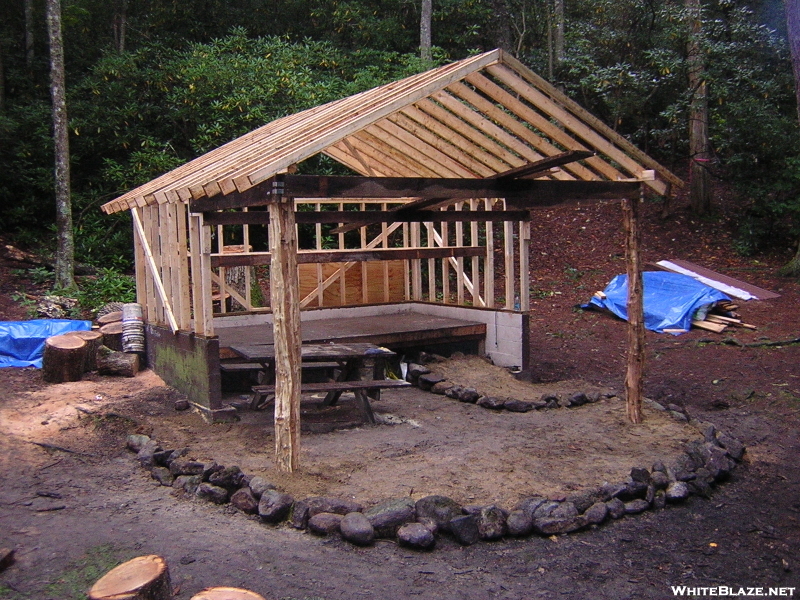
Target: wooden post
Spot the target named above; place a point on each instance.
(285, 301)
(635, 372)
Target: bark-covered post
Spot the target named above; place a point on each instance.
(425, 30)
(285, 301)
(635, 372)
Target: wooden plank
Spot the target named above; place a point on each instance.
(488, 292)
(521, 130)
(185, 313)
(459, 260)
(413, 162)
(532, 169)
(508, 262)
(195, 250)
(154, 272)
(140, 270)
(524, 266)
(707, 325)
(476, 287)
(590, 119)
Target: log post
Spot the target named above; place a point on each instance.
(635, 372)
(93, 339)
(143, 578)
(226, 593)
(63, 358)
(284, 295)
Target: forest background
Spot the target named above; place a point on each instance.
(151, 84)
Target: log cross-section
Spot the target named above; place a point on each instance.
(143, 578)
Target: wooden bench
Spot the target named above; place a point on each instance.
(261, 393)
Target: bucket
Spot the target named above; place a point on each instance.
(132, 328)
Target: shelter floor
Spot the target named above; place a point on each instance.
(397, 331)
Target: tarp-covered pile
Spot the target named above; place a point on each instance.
(671, 300)
(22, 342)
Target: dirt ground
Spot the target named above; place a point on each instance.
(66, 512)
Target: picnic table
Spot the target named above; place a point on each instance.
(354, 361)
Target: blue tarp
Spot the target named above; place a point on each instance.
(670, 299)
(22, 342)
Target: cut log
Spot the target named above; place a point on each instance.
(63, 359)
(226, 593)
(112, 335)
(143, 578)
(6, 558)
(111, 362)
(111, 317)
(93, 339)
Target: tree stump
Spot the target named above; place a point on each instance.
(143, 578)
(112, 335)
(111, 362)
(226, 593)
(63, 358)
(93, 339)
(111, 317)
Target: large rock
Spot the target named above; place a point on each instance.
(146, 454)
(229, 478)
(530, 505)
(135, 441)
(245, 501)
(439, 509)
(324, 523)
(356, 529)
(596, 513)
(442, 387)
(563, 518)
(515, 405)
(677, 491)
(314, 505)
(659, 480)
(212, 493)
(636, 506)
(492, 402)
(633, 490)
(428, 380)
(641, 475)
(519, 523)
(469, 395)
(185, 466)
(162, 475)
(415, 371)
(492, 523)
(616, 508)
(187, 483)
(464, 529)
(733, 446)
(387, 517)
(259, 485)
(274, 506)
(416, 535)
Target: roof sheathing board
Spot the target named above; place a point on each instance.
(458, 128)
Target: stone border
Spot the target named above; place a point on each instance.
(416, 524)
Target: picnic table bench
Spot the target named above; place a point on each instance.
(351, 359)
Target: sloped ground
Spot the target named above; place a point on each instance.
(748, 534)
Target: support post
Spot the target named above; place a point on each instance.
(285, 301)
(635, 371)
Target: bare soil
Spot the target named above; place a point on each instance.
(57, 505)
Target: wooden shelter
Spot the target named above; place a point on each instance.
(447, 166)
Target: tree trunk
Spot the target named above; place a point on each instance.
(143, 578)
(502, 35)
(120, 25)
(28, 9)
(425, 30)
(792, 268)
(2, 80)
(110, 362)
(558, 33)
(699, 155)
(65, 253)
(63, 359)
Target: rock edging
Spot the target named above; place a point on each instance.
(416, 524)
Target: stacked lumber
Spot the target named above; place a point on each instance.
(720, 316)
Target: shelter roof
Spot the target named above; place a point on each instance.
(475, 118)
